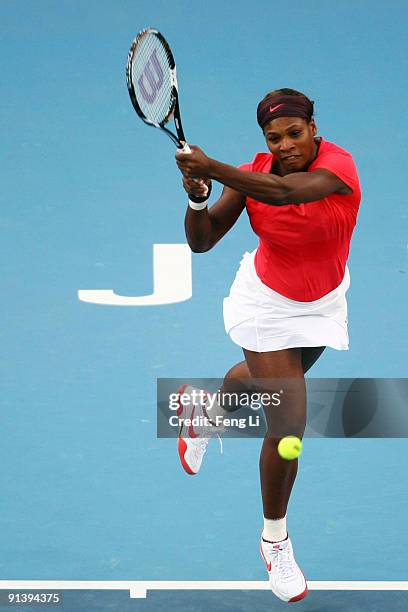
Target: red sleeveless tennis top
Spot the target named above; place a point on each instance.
(303, 248)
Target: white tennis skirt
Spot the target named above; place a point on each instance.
(259, 319)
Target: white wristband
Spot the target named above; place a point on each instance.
(198, 205)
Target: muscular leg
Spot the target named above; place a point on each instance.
(240, 371)
(277, 474)
(309, 356)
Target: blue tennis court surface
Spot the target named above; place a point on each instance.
(88, 492)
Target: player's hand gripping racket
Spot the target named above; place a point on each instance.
(152, 85)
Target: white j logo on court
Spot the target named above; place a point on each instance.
(172, 281)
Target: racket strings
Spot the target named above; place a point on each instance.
(152, 79)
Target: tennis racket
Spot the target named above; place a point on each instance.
(152, 84)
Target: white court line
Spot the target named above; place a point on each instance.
(139, 588)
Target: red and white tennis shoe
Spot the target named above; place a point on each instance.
(286, 579)
(195, 431)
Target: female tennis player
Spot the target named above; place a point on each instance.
(287, 302)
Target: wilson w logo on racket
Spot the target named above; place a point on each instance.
(152, 79)
(152, 84)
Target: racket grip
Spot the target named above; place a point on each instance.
(186, 149)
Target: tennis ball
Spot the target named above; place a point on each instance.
(290, 447)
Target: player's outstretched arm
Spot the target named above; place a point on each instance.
(295, 188)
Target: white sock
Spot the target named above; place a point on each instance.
(275, 529)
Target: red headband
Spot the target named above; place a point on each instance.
(284, 106)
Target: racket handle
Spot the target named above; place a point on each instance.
(186, 149)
